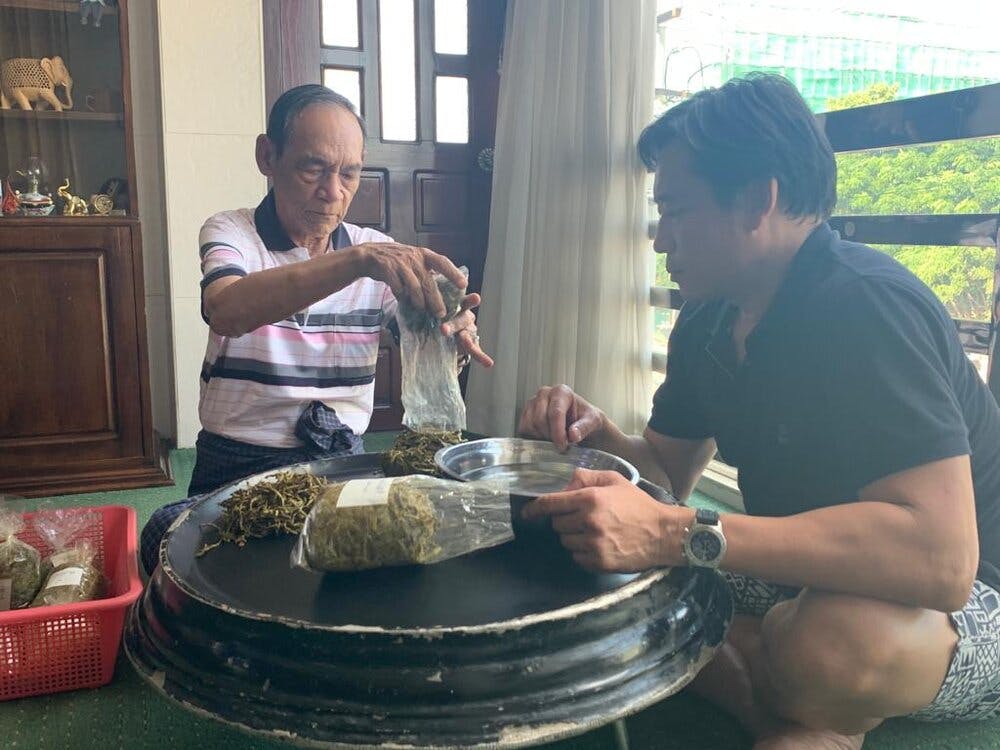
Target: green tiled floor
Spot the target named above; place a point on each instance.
(128, 714)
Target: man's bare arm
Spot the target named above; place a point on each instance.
(671, 462)
(911, 539)
(235, 305)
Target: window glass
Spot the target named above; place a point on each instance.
(397, 58)
(451, 109)
(848, 54)
(339, 19)
(346, 82)
(451, 27)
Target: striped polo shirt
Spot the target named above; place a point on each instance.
(255, 386)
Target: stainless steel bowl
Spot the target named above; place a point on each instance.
(529, 468)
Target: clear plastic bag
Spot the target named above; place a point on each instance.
(70, 572)
(432, 399)
(417, 519)
(20, 564)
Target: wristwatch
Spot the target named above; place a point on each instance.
(705, 544)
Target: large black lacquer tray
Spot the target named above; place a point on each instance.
(504, 648)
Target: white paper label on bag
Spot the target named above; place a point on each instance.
(64, 558)
(6, 584)
(358, 492)
(65, 577)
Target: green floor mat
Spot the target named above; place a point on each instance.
(129, 714)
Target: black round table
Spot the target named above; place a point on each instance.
(507, 647)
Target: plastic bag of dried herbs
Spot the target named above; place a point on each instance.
(373, 523)
(432, 399)
(71, 572)
(20, 564)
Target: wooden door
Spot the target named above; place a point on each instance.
(428, 168)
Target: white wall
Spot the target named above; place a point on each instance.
(144, 62)
(212, 101)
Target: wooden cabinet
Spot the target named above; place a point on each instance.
(74, 380)
(74, 402)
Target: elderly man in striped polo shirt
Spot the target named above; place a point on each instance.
(296, 300)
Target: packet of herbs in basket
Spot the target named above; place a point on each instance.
(373, 523)
(20, 564)
(70, 572)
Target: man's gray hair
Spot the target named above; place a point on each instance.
(292, 102)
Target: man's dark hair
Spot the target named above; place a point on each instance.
(292, 102)
(752, 128)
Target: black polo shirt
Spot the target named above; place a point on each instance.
(855, 372)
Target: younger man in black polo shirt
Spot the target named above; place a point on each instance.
(866, 570)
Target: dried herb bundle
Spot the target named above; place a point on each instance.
(73, 578)
(20, 562)
(399, 532)
(269, 508)
(412, 452)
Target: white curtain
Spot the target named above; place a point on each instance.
(568, 270)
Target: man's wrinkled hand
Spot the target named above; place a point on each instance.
(463, 328)
(409, 273)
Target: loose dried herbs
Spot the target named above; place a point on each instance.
(20, 563)
(74, 577)
(412, 452)
(275, 506)
(398, 532)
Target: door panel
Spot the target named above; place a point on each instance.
(59, 291)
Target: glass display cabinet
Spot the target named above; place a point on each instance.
(75, 409)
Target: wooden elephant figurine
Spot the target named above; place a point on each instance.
(24, 80)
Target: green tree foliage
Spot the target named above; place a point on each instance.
(956, 177)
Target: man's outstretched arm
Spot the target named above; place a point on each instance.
(235, 305)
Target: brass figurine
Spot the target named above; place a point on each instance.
(74, 205)
(101, 204)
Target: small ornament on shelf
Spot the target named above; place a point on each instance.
(101, 204)
(10, 202)
(116, 188)
(93, 9)
(24, 80)
(33, 203)
(73, 205)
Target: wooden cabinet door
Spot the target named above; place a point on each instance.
(74, 402)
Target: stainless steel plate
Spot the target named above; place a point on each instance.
(529, 468)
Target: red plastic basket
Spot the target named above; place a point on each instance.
(70, 646)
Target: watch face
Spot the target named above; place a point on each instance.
(706, 546)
